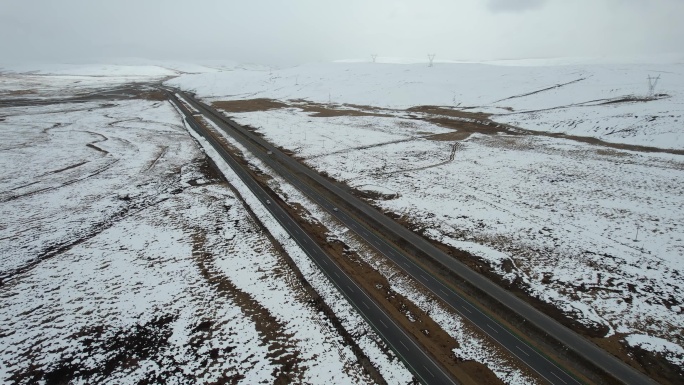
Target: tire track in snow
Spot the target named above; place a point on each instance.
(452, 156)
(67, 183)
(283, 352)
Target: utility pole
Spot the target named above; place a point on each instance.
(652, 82)
(636, 239)
(431, 59)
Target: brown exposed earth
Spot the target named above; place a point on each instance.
(464, 123)
(21, 92)
(251, 105)
(488, 126)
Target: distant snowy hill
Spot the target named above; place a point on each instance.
(91, 70)
(129, 67)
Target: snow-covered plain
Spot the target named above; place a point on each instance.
(56, 81)
(585, 100)
(124, 260)
(556, 216)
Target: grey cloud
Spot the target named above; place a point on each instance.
(296, 31)
(514, 5)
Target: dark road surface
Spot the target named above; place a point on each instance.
(295, 173)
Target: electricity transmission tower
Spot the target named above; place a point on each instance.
(431, 59)
(373, 57)
(652, 82)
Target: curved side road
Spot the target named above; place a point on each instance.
(530, 356)
(418, 361)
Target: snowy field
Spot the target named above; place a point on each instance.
(595, 231)
(556, 216)
(125, 260)
(57, 81)
(117, 238)
(54, 80)
(597, 100)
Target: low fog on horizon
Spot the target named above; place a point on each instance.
(292, 32)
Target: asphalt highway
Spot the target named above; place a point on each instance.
(418, 361)
(294, 172)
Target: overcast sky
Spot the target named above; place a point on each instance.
(295, 31)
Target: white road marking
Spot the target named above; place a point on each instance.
(350, 288)
(366, 305)
(490, 326)
(402, 344)
(443, 292)
(426, 368)
(554, 374)
(383, 324)
(466, 309)
(519, 348)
